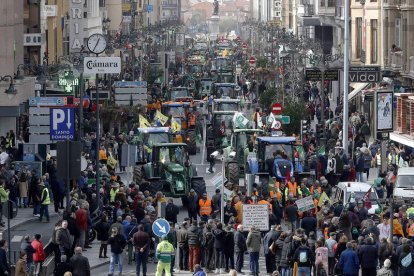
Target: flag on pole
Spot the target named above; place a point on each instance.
(240, 121)
(161, 117)
(351, 198)
(367, 199)
(175, 126)
(143, 122)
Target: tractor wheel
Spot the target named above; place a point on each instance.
(155, 186)
(233, 173)
(192, 142)
(138, 174)
(199, 186)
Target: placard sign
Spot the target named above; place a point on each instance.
(385, 110)
(256, 215)
(305, 204)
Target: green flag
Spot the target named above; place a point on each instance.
(321, 150)
(240, 121)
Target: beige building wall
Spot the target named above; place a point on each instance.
(11, 31)
(369, 13)
(114, 9)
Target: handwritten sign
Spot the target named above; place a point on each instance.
(305, 204)
(256, 215)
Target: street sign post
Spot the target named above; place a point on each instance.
(277, 125)
(62, 124)
(277, 109)
(161, 227)
(252, 60)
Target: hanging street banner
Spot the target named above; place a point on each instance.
(102, 65)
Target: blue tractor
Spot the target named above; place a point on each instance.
(267, 164)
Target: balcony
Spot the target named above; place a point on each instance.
(169, 5)
(396, 61)
(306, 14)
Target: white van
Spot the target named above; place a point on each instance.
(404, 186)
(345, 189)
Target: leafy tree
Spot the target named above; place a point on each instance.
(297, 112)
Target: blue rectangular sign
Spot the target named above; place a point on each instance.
(130, 84)
(150, 8)
(62, 124)
(47, 101)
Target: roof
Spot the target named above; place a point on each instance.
(154, 129)
(277, 140)
(175, 104)
(354, 186)
(405, 171)
(227, 112)
(248, 130)
(227, 100)
(170, 145)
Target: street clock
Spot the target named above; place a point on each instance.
(97, 43)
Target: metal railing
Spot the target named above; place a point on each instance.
(396, 60)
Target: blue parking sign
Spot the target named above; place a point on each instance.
(150, 8)
(62, 124)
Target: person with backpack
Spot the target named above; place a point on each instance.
(304, 258)
(405, 262)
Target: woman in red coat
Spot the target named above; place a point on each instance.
(39, 255)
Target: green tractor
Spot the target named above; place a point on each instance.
(171, 172)
(179, 94)
(220, 128)
(238, 153)
(226, 90)
(145, 138)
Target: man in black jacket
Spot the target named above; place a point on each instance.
(171, 211)
(4, 265)
(192, 205)
(117, 242)
(80, 264)
(368, 256)
(239, 248)
(304, 257)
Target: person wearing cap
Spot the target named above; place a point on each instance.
(39, 255)
(164, 252)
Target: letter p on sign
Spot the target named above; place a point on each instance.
(58, 117)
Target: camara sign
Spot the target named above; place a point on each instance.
(102, 65)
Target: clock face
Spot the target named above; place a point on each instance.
(96, 43)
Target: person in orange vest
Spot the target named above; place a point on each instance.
(205, 207)
(292, 189)
(316, 187)
(262, 201)
(410, 227)
(103, 158)
(239, 210)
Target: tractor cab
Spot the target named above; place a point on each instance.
(205, 87)
(226, 104)
(171, 171)
(226, 90)
(145, 138)
(220, 128)
(179, 94)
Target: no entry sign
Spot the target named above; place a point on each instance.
(252, 60)
(277, 109)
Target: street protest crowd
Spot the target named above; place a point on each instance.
(330, 238)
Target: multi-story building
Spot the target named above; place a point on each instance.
(170, 10)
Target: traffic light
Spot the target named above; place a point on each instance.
(304, 128)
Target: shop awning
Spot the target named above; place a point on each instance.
(358, 87)
(402, 139)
